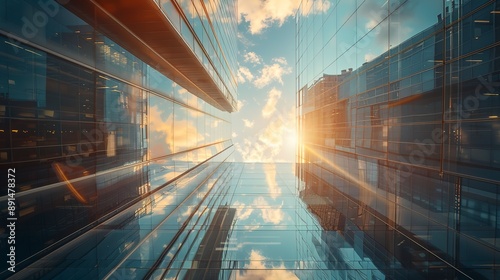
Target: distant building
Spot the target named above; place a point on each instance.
(208, 260)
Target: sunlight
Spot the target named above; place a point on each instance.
(291, 137)
(341, 171)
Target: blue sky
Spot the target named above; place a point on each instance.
(264, 126)
(266, 93)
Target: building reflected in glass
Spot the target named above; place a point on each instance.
(398, 107)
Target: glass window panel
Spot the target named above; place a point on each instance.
(161, 127)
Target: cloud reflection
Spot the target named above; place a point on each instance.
(270, 172)
(270, 214)
(242, 211)
(161, 130)
(257, 269)
(169, 134)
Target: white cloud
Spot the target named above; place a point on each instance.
(257, 151)
(248, 123)
(272, 72)
(410, 11)
(257, 269)
(244, 40)
(267, 74)
(270, 214)
(263, 14)
(316, 7)
(369, 57)
(269, 142)
(274, 188)
(244, 74)
(273, 96)
(243, 212)
(272, 135)
(273, 215)
(280, 60)
(161, 131)
(251, 227)
(190, 6)
(253, 151)
(186, 213)
(240, 105)
(252, 58)
(166, 139)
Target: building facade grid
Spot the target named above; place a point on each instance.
(398, 110)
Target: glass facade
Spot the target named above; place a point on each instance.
(245, 221)
(91, 127)
(209, 28)
(398, 107)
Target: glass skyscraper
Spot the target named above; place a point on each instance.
(102, 103)
(398, 106)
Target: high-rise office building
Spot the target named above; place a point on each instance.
(102, 103)
(398, 108)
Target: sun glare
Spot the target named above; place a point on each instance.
(291, 138)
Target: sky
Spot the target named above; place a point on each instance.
(264, 126)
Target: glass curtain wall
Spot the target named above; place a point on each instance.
(398, 107)
(209, 29)
(89, 127)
